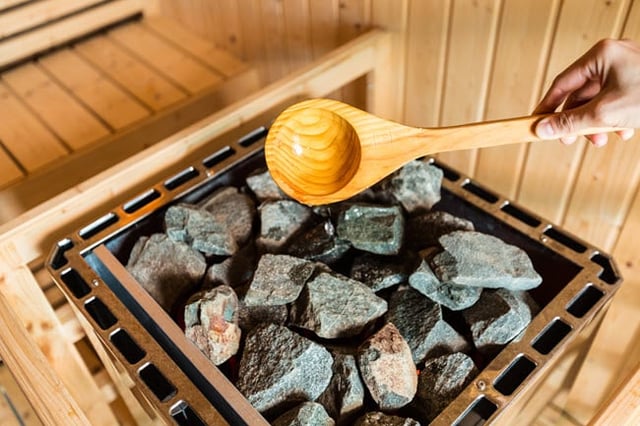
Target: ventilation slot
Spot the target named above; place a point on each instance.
(218, 157)
(607, 275)
(141, 201)
(58, 260)
(181, 178)
(183, 415)
(480, 192)
(565, 240)
(514, 375)
(100, 313)
(522, 216)
(99, 225)
(551, 336)
(449, 174)
(75, 283)
(583, 302)
(253, 137)
(155, 380)
(478, 413)
(127, 346)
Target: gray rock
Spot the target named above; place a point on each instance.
(387, 368)
(425, 229)
(250, 317)
(199, 228)
(377, 418)
(419, 321)
(264, 187)
(334, 306)
(234, 271)
(498, 317)
(280, 221)
(416, 185)
(441, 381)
(278, 279)
(345, 394)
(279, 367)
(380, 272)
(307, 413)
(234, 210)
(454, 297)
(320, 244)
(375, 229)
(166, 269)
(480, 260)
(211, 323)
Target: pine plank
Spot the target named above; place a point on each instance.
(29, 44)
(219, 59)
(470, 52)
(9, 171)
(69, 119)
(229, 38)
(174, 64)
(354, 18)
(100, 94)
(551, 168)
(273, 32)
(251, 31)
(426, 59)
(524, 38)
(5, 4)
(28, 140)
(297, 32)
(323, 22)
(151, 88)
(39, 13)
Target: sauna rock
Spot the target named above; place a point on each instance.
(380, 272)
(345, 394)
(425, 229)
(234, 210)
(377, 418)
(280, 221)
(320, 244)
(307, 413)
(264, 187)
(375, 229)
(416, 186)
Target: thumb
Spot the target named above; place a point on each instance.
(563, 124)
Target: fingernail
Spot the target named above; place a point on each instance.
(544, 130)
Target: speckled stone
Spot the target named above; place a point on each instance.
(233, 271)
(264, 187)
(250, 317)
(334, 306)
(166, 269)
(199, 228)
(499, 317)
(320, 244)
(280, 221)
(416, 185)
(233, 209)
(441, 381)
(377, 418)
(480, 260)
(211, 323)
(419, 320)
(380, 272)
(345, 394)
(454, 297)
(278, 279)
(307, 413)
(375, 229)
(280, 367)
(387, 368)
(424, 230)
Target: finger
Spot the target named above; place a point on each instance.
(625, 134)
(582, 95)
(567, 123)
(568, 140)
(598, 139)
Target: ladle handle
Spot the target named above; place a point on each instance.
(494, 133)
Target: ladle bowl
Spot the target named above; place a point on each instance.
(322, 151)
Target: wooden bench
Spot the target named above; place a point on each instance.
(87, 83)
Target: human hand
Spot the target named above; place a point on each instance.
(600, 89)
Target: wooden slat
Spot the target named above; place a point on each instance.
(219, 59)
(9, 170)
(624, 409)
(273, 32)
(297, 32)
(174, 64)
(469, 56)
(52, 35)
(354, 17)
(5, 4)
(426, 57)
(32, 144)
(70, 120)
(39, 13)
(323, 26)
(551, 167)
(229, 37)
(107, 100)
(154, 90)
(251, 33)
(523, 23)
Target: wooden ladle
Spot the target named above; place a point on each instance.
(321, 151)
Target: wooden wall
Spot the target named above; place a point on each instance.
(459, 61)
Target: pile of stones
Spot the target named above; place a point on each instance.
(375, 311)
